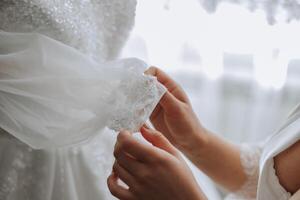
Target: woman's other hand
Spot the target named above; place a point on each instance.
(151, 172)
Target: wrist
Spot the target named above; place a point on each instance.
(195, 142)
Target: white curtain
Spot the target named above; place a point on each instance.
(239, 71)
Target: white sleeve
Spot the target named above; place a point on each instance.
(52, 95)
(250, 156)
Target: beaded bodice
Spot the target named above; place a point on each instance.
(97, 28)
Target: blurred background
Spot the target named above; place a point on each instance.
(241, 72)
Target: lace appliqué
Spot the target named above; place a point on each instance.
(137, 99)
(250, 156)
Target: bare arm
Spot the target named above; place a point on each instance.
(219, 159)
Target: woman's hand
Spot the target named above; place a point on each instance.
(155, 172)
(174, 116)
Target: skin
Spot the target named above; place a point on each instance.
(151, 172)
(175, 118)
(178, 127)
(287, 166)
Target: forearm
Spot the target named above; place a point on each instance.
(217, 158)
(175, 118)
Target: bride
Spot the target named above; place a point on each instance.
(59, 91)
(263, 172)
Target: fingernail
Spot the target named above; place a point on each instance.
(146, 126)
(148, 71)
(125, 132)
(149, 130)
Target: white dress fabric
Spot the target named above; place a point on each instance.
(268, 184)
(258, 163)
(52, 95)
(60, 91)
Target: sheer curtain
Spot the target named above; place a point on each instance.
(240, 68)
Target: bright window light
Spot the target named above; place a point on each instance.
(174, 31)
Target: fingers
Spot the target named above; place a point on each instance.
(169, 102)
(157, 110)
(117, 190)
(127, 162)
(168, 82)
(124, 175)
(128, 144)
(162, 77)
(158, 140)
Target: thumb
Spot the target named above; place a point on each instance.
(158, 140)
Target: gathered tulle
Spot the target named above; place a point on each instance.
(53, 95)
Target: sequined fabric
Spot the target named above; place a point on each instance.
(97, 28)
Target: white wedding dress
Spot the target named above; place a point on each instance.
(59, 91)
